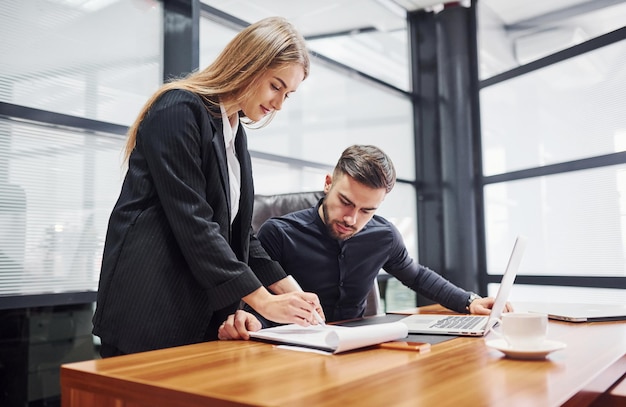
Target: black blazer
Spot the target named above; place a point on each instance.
(171, 257)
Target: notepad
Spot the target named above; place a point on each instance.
(332, 338)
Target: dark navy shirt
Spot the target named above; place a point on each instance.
(342, 272)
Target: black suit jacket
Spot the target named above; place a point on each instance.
(172, 259)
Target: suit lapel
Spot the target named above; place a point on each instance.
(220, 152)
(247, 187)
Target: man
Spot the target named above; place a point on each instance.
(337, 248)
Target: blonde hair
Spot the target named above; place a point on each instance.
(271, 43)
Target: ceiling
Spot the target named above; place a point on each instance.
(370, 35)
(331, 16)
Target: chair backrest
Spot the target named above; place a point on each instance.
(373, 306)
(267, 206)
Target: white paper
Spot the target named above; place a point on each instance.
(303, 349)
(333, 338)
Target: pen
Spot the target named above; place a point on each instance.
(316, 315)
(318, 318)
(403, 345)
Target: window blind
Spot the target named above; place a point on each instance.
(96, 60)
(57, 188)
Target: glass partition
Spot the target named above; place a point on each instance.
(56, 195)
(94, 59)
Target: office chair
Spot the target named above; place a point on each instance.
(267, 206)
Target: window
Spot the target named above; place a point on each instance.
(79, 59)
(511, 35)
(553, 143)
(575, 223)
(85, 60)
(57, 195)
(562, 112)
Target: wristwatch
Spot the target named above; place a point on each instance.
(472, 297)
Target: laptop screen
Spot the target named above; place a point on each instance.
(507, 280)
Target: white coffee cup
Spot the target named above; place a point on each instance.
(523, 330)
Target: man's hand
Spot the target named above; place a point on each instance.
(483, 306)
(238, 326)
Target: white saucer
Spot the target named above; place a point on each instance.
(540, 353)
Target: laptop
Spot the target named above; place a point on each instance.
(471, 325)
(577, 312)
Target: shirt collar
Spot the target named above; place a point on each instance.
(230, 132)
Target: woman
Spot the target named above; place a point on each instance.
(179, 253)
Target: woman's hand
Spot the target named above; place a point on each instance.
(290, 308)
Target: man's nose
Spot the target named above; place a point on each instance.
(350, 218)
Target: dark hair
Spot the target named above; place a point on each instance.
(368, 165)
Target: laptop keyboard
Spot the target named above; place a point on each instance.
(458, 322)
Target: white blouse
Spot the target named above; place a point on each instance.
(234, 170)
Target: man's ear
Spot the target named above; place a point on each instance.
(328, 182)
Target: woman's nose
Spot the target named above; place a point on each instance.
(277, 103)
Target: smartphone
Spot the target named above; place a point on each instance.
(404, 345)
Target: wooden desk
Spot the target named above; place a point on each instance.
(462, 371)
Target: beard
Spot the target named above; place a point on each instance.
(330, 225)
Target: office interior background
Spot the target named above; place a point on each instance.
(502, 118)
